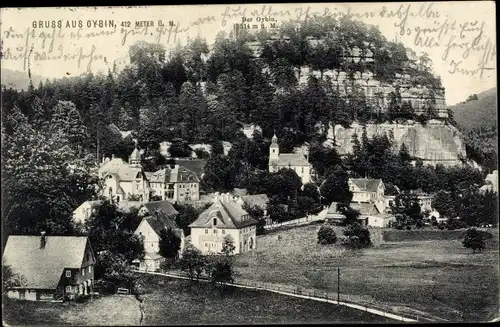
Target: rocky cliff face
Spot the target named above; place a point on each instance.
(435, 143)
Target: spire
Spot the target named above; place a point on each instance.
(275, 138)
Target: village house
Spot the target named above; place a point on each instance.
(177, 184)
(370, 215)
(366, 190)
(85, 210)
(295, 161)
(51, 267)
(157, 217)
(223, 218)
(424, 200)
(123, 181)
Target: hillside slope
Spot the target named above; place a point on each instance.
(19, 80)
(476, 114)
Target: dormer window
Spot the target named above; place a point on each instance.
(68, 273)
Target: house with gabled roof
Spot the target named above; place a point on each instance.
(366, 189)
(223, 218)
(158, 216)
(122, 180)
(176, 184)
(295, 161)
(50, 267)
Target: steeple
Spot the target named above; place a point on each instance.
(274, 149)
(135, 157)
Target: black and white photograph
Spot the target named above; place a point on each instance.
(228, 164)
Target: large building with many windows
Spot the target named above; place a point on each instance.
(221, 219)
(176, 184)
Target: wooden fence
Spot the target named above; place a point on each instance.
(345, 299)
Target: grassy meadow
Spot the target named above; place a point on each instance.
(109, 310)
(173, 301)
(433, 279)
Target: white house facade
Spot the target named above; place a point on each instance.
(177, 184)
(221, 219)
(122, 180)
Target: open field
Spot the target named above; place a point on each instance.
(173, 301)
(109, 310)
(440, 277)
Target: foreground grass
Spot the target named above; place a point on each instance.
(174, 302)
(437, 277)
(109, 310)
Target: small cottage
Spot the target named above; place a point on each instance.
(50, 267)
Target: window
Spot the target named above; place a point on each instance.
(83, 271)
(223, 231)
(68, 289)
(215, 231)
(215, 221)
(206, 231)
(302, 169)
(90, 269)
(68, 273)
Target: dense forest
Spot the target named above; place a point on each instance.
(52, 133)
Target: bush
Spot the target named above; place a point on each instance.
(455, 224)
(357, 236)
(105, 287)
(326, 235)
(473, 239)
(219, 268)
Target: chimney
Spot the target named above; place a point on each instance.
(43, 240)
(112, 156)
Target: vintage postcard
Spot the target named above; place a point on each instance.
(249, 164)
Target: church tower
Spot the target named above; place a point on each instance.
(274, 150)
(135, 158)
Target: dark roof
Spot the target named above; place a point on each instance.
(43, 268)
(164, 207)
(366, 209)
(290, 159)
(195, 165)
(366, 184)
(159, 224)
(229, 213)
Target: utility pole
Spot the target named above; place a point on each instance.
(338, 284)
(97, 142)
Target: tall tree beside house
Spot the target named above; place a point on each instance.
(53, 178)
(169, 244)
(336, 188)
(192, 261)
(228, 246)
(105, 233)
(407, 205)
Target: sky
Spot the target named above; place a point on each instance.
(458, 36)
